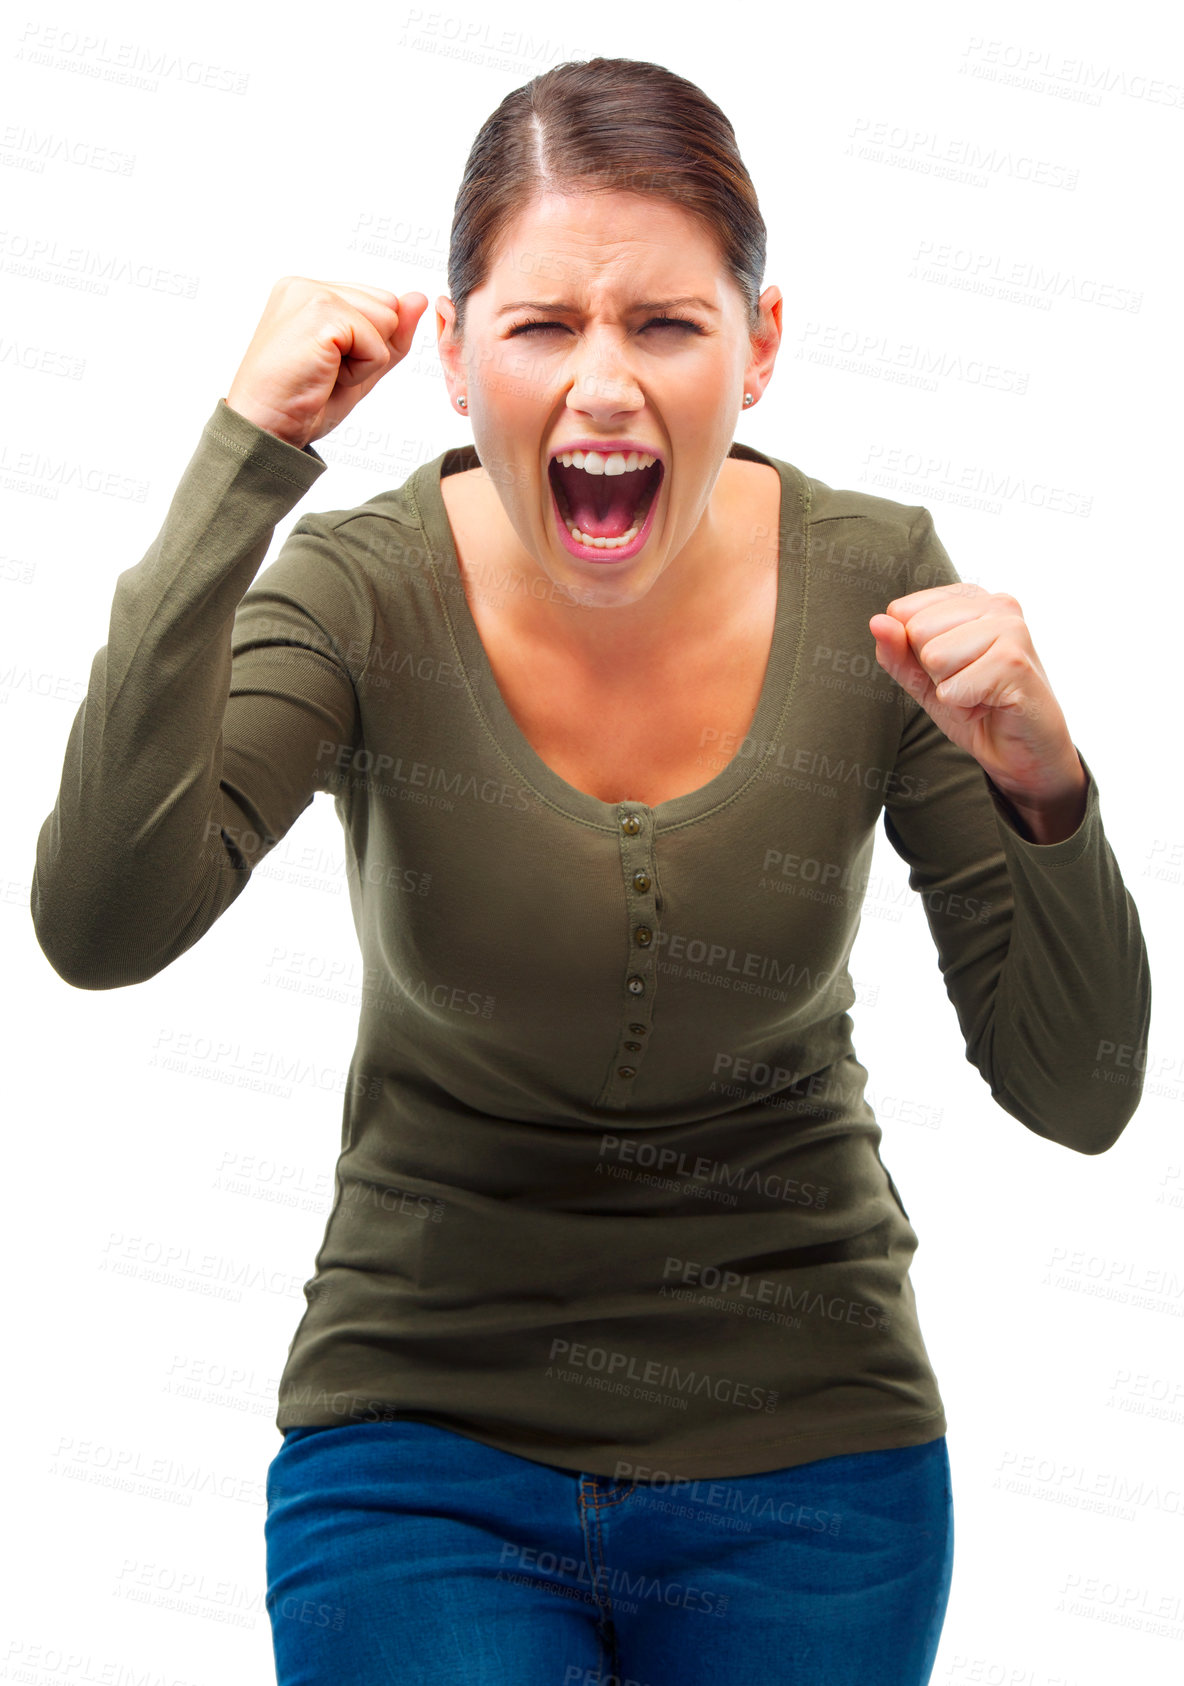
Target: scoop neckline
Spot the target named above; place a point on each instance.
(508, 738)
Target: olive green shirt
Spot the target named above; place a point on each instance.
(609, 1192)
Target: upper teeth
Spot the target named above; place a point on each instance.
(616, 462)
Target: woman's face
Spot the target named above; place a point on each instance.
(602, 371)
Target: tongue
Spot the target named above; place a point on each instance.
(602, 505)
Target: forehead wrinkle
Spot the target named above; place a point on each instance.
(617, 277)
(616, 255)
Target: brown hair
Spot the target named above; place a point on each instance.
(603, 126)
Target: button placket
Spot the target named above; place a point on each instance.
(636, 833)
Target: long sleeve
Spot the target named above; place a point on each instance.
(196, 745)
(1039, 945)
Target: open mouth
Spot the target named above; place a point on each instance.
(604, 511)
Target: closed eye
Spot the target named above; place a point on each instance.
(657, 321)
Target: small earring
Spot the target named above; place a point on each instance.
(748, 397)
(462, 401)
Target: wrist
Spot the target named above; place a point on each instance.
(266, 422)
(1051, 815)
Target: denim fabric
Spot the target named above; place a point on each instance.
(398, 1551)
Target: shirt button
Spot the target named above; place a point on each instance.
(643, 936)
(633, 1047)
(626, 1071)
(637, 1029)
(631, 824)
(635, 985)
(641, 882)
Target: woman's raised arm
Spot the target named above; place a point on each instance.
(197, 743)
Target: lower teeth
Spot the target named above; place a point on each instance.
(602, 544)
(614, 543)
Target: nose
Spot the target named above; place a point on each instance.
(603, 385)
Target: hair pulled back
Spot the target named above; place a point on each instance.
(606, 126)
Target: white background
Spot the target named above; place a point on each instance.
(1050, 1285)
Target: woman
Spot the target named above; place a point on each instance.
(611, 1367)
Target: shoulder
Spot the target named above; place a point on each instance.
(397, 508)
(893, 545)
(885, 536)
(346, 569)
(379, 542)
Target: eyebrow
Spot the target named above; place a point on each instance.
(561, 308)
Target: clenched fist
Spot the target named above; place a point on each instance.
(966, 655)
(320, 346)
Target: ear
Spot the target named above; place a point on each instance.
(450, 352)
(765, 342)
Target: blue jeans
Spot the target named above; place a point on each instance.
(402, 1552)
